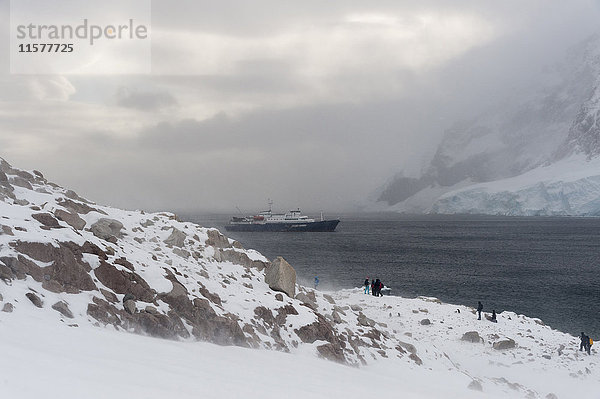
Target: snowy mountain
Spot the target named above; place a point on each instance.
(86, 289)
(556, 123)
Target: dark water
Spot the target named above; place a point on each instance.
(540, 267)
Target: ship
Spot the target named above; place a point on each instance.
(290, 221)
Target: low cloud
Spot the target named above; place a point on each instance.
(144, 101)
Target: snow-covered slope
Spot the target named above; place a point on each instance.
(68, 267)
(568, 187)
(529, 132)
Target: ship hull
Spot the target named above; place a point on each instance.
(324, 225)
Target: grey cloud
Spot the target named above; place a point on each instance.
(144, 100)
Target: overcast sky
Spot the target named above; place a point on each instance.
(315, 104)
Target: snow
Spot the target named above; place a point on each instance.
(568, 187)
(42, 358)
(47, 355)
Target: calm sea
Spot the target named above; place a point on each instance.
(541, 267)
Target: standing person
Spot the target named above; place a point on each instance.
(493, 319)
(373, 287)
(585, 344)
(479, 309)
(316, 282)
(380, 288)
(584, 340)
(377, 287)
(367, 285)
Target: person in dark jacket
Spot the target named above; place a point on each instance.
(585, 343)
(493, 318)
(367, 285)
(373, 287)
(380, 288)
(479, 309)
(377, 287)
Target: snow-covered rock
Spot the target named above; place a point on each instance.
(64, 294)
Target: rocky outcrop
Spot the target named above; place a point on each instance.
(280, 276)
(70, 218)
(68, 273)
(107, 229)
(217, 240)
(238, 258)
(123, 282)
(321, 330)
(176, 239)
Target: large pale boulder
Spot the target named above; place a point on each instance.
(281, 277)
(176, 239)
(107, 229)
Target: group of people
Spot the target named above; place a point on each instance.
(374, 287)
(491, 318)
(586, 343)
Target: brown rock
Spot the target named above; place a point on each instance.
(70, 218)
(331, 352)
(46, 219)
(416, 359)
(63, 308)
(8, 307)
(110, 297)
(34, 299)
(123, 282)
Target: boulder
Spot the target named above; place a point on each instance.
(78, 207)
(176, 239)
(472, 336)
(8, 307)
(46, 219)
(70, 218)
(238, 258)
(408, 347)
(365, 321)
(20, 182)
(280, 276)
(416, 359)
(336, 317)
(217, 240)
(3, 177)
(6, 230)
(331, 352)
(425, 322)
(107, 229)
(63, 308)
(504, 344)
(475, 386)
(34, 299)
(129, 306)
